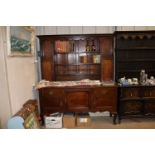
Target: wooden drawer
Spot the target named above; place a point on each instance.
(149, 92)
(130, 92)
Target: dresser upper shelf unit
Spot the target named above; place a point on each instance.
(77, 57)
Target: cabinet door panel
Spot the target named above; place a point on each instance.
(77, 100)
(47, 64)
(106, 46)
(52, 98)
(149, 107)
(107, 70)
(105, 99)
(106, 49)
(131, 107)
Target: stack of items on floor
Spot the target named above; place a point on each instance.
(67, 120)
(27, 118)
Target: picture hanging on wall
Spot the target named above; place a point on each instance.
(20, 40)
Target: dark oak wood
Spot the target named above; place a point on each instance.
(47, 64)
(136, 101)
(77, 57)
(104, 98)
(66, 58)
(78, 99)
(134, 51)
(107, 69)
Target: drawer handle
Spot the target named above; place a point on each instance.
(104, 92)
(51, 93)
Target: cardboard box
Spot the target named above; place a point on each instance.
(83, 120)
(69, 120)
(53, 121)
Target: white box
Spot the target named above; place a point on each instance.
(53, 121)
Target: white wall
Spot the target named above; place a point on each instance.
(53, 30)
(17, 76)
(21, 78)
(135, 28)
(5, 107)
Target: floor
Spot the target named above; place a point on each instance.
(106, 122)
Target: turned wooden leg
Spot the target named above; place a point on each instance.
(110, 114)
(119, 119)
(114, 118)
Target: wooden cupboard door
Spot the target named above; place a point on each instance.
(104, 99)
(149, 100)
(47, 63)
(52, 100)
(131, 107)
(77, 100)
(107, 70)
(149, 107)
(106, 49)
(106, 46)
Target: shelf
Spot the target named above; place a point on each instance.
(125, 71)
(66, 64)
(136, 48)
(133, 71)
(130, 98)
(74, 57)
(89, 63)
(139, 60)
(136, 98)
(90, 52)
(148, 98)
(72, 52)
(76, 74)
(78, 64)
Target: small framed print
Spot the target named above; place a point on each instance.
(20, 40)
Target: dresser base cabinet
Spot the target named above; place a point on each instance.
(105, 99)
(136, 101)
(78, 99)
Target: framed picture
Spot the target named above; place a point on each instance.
(20, 40)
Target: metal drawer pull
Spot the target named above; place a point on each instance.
(51, 93)
(104, 92)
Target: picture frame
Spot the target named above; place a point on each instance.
(21, 41)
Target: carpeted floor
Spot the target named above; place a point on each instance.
(105, 122)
